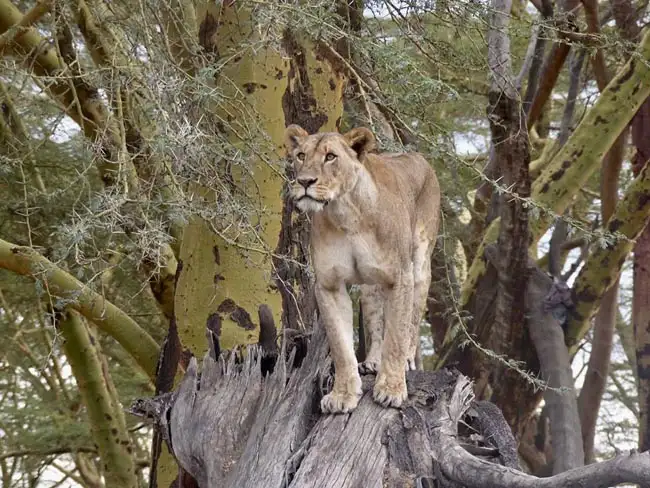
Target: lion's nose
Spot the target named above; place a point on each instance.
(307, 182)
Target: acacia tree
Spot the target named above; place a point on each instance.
(145, 179)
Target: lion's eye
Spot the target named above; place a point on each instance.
(300, 156)
(330, 156)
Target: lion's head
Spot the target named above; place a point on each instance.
(326, 165)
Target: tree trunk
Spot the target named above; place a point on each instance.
(597, 373)
(545, 327)
(244, 429)
(106, 316)
(227, 275)
(626, 22)
(641, 287)
(641, 322)
(512, 157)
(572, 166)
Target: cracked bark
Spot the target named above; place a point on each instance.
(234, 426)
(512, 156)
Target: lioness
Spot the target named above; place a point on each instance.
(375, 221)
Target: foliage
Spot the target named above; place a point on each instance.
(105, 201)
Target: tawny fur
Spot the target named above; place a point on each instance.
(375, 221)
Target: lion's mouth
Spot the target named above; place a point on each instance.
(318, 200)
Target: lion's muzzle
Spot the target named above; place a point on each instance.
(306, 201)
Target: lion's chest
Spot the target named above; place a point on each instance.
(352, 259)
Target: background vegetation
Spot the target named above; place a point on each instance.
(142, 182)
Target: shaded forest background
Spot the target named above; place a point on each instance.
(143, 182)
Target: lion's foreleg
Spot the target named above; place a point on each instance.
(336, 311)
(390, 386)
(372, 301)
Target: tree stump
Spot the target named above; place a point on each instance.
(252, 419)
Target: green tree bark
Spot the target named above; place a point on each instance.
(106, 419)
(224, 279)
(603, 266)
(93, 306)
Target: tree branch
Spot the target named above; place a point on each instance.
(598, 59)
(565, 24)
(602, 268)
(546, 9)
(108, 432)
(560, 232)
(580, 157)
(109, 318)
(82, 103)
(41, 8)
(546, 333)
(460, 466)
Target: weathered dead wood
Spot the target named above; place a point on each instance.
(232, 426)
(457, 464)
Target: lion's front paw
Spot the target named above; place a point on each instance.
(336, 402)
(368, 366)
(389, 393)
(345, 395)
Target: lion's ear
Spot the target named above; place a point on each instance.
(361, 140)
(292, 136)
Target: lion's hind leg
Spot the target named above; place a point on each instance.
(421, 281)
(372, 302)
(390, 385)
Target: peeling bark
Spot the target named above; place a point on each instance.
(269, 88)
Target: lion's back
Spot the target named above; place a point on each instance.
(405, 174)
